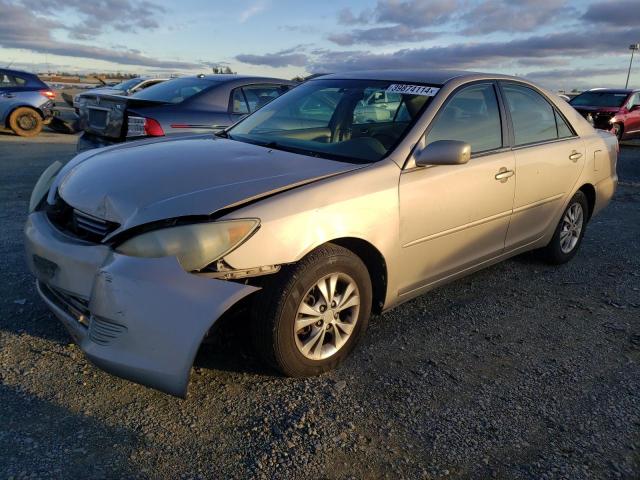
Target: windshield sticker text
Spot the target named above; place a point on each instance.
(412, 89)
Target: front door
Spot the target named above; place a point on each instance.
(455, 216)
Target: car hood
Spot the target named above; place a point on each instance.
(589, 109)
(142, 182)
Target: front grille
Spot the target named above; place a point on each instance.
(77, 307)
(89, 224)
(79, 224)
(101, 331)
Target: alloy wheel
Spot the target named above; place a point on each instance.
(327, 316)
(571, 227)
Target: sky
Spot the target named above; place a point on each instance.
(562, 44)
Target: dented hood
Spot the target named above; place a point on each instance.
(141, 182)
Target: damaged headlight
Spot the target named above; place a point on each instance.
(195, 246)
(43, 184)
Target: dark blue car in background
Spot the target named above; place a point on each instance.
(194, 104)
(26, 102)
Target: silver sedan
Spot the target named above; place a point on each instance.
(348, 195)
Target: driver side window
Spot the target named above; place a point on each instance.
(472, 116)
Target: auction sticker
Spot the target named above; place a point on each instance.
(412, 89)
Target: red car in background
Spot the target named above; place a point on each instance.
(616, 110)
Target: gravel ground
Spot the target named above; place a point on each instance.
(521, 371)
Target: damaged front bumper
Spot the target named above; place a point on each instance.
(142, 319)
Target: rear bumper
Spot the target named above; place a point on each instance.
(605, 190)
(137, 318)
(87, 141)
(47, 112)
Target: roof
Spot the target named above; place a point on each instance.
(436, 77)
(225, 77)
(21, 72)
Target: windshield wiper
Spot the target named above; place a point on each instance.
(286, 148)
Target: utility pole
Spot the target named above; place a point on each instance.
(633, 48)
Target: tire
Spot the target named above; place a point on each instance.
(25, 122)
(278, 307)
(618, 130)
(564, 246)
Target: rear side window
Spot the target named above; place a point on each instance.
(563, 129)
(11, 80)
(472, 115)
(239, 102)
(259, 95)
(175, 91)
(534, 119)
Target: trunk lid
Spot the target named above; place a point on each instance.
(106, 115)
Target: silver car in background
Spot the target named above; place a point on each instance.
(348, 195)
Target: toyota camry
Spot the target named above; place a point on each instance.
(346, 196)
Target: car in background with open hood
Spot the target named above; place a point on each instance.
(126, 88)
(195, 104)
(613, 109)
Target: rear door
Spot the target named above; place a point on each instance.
(549, 159)
(12, 89)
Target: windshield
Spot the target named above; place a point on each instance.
(174, 91)
(354, 120)
(126, 85)
(599, 99)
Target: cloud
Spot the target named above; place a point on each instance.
(22, 29)
(511, 16)
(252, 10)
(538, 49)
(616, 13)
(416, 13)
(381, 35)
(99, 15)
(580, 78)
(284, 58)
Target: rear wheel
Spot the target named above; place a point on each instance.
(569, 232)
(309, 318)
(25, 122)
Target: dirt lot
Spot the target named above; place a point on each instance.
(522, 371)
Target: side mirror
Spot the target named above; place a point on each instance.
(635, 108)
(444, 152)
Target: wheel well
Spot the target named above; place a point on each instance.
(589, 192)
(375, 263)
(6, 120)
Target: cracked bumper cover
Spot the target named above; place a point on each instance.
(145, 317)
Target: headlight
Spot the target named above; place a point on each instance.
(195, 246)
(43, 184)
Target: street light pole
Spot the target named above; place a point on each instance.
(633, 48)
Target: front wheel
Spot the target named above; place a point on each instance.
(310, 317)
(25, 122)
(569, 232)
(617, 130)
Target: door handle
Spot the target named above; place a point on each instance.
(575, 156)
(504, 174)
